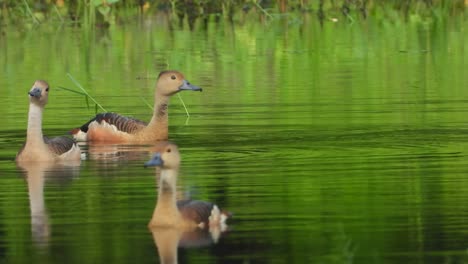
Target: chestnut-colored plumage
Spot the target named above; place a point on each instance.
(114, 128)
(186, 214)
(37, 146)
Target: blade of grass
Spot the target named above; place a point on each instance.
(70, 90)
(58, 13)
(186, 111)
(146, 102)
(86, 92)
(262, 9)
(77, 92)
(30, 12)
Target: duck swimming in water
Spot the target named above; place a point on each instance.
(115, 128)
(37, 146)
(184, 214)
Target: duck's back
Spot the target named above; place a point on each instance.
(122, 123)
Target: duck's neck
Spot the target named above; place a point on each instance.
(159, 121)
(167, 188)
(34, 133)
(166, 212)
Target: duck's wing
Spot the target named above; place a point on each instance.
(202, 212)
(59, 145)
(122, 123)
(197, 211)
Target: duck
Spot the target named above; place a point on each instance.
(183, 214)
(38, 147)
(114, 128)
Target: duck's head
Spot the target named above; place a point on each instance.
(166, 156)
(171, 82)
(39, 93)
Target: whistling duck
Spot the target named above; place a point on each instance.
(185, 214)
(37, 146)
(114, 128)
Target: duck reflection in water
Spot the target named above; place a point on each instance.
(35, 175)
(182, 223)
(168, 240)
(114, 155)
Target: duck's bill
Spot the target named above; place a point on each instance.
(188, 86)
(36, 92)
(155, 161)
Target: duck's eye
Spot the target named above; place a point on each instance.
(173, 77)
(47, 89)
(168, 150)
